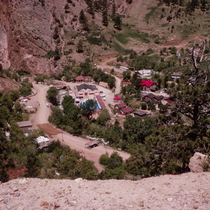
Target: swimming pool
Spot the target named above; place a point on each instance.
(98, 106)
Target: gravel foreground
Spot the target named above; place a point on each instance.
(187, 191)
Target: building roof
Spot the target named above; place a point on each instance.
(86, 86)
(41, 139)
(127, 110)
(79, 78)
(147, 83)
(177, 74)
(103, 106)
(140, 113)
(23, 124)
(127, 83)
(91, 143)
(159, 98)
(122, 105)
(146, 100)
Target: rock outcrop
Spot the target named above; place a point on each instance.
(197, 161)
(185, 191)
(25, 35)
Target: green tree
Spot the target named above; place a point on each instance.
(52, 95)
(118, 22)
(83, 20)
(88, 107)
(80, 46)
(103, 117)
(1, 70)
(105, 18)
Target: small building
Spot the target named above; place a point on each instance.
(43, 142)
(145, 73)
(120, 106)
(140, 113)
(125, 84)
(86, 79)
(91, 144)
(176, 75)
(85, 90)
(104, 84)
(152, 98)
(123, 68)
(148, 85)
(25, 125)
(125, 111)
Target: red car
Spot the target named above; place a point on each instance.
(101, 92)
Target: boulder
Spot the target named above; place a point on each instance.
(197, 161)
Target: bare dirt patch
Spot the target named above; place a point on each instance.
(48, 129)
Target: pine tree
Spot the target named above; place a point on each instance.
(105, 18)
(80, 46)
(113, 11)
(117, 22)
(83, 21)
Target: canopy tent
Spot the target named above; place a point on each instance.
(117, 98)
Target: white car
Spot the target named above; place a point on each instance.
(102, 95)
(104, 98)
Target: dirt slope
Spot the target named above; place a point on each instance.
(178, 192)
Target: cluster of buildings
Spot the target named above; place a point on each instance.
(124, 110)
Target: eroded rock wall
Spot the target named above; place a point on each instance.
(25, 35)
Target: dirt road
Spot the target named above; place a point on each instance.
(41, 117)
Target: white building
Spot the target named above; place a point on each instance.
(145, 73)
(124, 68)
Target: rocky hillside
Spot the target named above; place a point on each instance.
(186, 191)
(32, 29)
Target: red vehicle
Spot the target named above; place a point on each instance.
(101, 92)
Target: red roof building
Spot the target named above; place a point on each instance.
(120, 106)
(147, 83)
(79, 78)
(126, 110)
(84, 79)
(126, 84)
(103, 106)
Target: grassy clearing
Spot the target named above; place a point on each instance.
(124, 37)
(187, 30)
(150, 13)
(121, 50)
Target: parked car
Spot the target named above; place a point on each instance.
(101, 91)
(104, 98)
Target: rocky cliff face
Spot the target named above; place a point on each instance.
(25, 34)
(27, 28)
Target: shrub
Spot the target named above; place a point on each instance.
(70, 43)
(157, 41)
(144, 106)
(104, 159)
